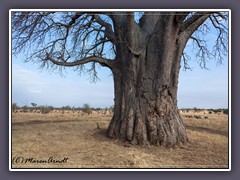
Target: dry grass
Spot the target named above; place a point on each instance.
(76, 137)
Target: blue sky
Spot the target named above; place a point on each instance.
(199, 88)
(30, 84)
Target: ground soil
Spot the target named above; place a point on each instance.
(82, 140)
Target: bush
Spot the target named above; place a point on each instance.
(46, 109)
(225, 111)
(67, 108)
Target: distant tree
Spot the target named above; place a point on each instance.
(86, 109)
(144, 51)
(34, 104)
(216, 110)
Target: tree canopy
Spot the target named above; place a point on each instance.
(69, 39)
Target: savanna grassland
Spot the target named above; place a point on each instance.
(82, 141)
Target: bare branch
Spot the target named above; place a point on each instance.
(221, 43)
(104, 62)
(203, 53)
(186, 58)
(93, 73)
(217, 21)
(74, 38)
(63, 36)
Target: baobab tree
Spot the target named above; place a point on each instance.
(143, 50)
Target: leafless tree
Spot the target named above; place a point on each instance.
(144, 51)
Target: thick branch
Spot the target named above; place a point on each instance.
(104, 62)
(195, 20)
(108, 28)
(221, 15)
(190, 26)
(180, 16)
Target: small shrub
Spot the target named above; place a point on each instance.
(46, 109)
(225, 111)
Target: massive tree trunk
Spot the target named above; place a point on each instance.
(146, 82)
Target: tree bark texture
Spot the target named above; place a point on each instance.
(145, 84)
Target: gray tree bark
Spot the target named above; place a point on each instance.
(146, 83)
